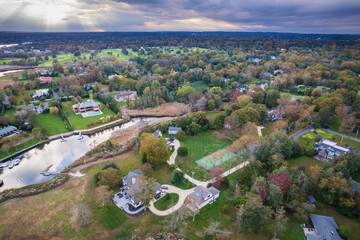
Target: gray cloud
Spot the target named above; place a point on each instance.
(307, 16)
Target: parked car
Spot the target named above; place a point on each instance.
(126, 197)
(164, 187)
(157, 196)
(119, 195)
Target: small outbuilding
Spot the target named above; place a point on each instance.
(174, 130)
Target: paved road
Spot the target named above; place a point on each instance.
(172, 158)
(302, 132)
(172, 189)
(340, 134)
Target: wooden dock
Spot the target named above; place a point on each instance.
(46, 172)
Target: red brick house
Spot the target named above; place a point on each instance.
(46, 79)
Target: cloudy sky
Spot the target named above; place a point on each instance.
(301, 16)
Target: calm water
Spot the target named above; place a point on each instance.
(60, 154)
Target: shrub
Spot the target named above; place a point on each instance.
(177, 177)
(310, 152)
(113, 165)
(183, 151)
(180, 135)
(225, 209)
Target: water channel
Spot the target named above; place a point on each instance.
(60, 154)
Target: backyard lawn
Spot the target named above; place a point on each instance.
(116, 53)
(304, 160)
(335, 138)
(167, 201)
(79, 122)
(52, 124)
(308, 140)
(335, 126)
(199, 146)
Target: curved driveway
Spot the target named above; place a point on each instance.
(172, 189)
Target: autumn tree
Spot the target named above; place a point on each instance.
(110, 177)
(146, 192)
(280, 220)
(155, 149)
(54, 111)
(216, 176)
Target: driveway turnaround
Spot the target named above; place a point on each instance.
(171, 189)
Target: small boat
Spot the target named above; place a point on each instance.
(80, 136)
(4, 165)
(62, 138)
(16, 161)
(1, 182)
(11, 164)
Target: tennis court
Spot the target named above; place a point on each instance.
(215, 159)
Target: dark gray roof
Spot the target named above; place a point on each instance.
(325, 226)
(174, 128)
(34, 108)
(311, 199)
(7, 129)
(132, 174)
(158, 132)
(314, 237)
(355, 186)
(200, 193)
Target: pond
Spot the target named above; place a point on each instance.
(59, 154)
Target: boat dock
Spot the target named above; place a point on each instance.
(46, 172)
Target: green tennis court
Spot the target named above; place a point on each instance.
(215, 159)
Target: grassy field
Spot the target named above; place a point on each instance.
(304, 160)
(52, 124)
(63, 58)
(198, 146)
(199, 86)
(308, 140)
(335, 126)
(167, 201)
(20, 147)
(211, 117)
(116, 53)
(79, 122)
(345, 142)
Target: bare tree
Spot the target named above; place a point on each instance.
(83, 214)
(193, 204)
(214, 230)
(280, 221)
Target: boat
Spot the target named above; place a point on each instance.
(16, 161)
(11, 164)
(4, 165)
(62, 138)
(80, 136)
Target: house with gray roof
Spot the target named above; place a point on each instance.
(124, 96)
(36, 109)
(7, 131)
(131, 185)
(158, 133)
(329, 150)
(174, 130)
(325, 228)
(88, 106)
(204, 196)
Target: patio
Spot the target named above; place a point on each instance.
(122, 200)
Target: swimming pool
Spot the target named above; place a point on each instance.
(89, 114)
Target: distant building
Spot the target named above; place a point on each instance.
(115, 75)
(46, 79)
(36, 109)
(329, 150)
(204, 196)
(123, 96)
(7, 131)
(325, 228)
(174, 130)
(131, 185)
(88, 106)
(275, 115)
(279, 71)
(322, 87)
(40, 93)
(311, 199)
(158, 133)
(45, 72)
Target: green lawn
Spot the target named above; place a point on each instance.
(185, 184)
(308, 140)
(63, 58)
(335, 126)
(199, 86)
(198, 146)
(20, 147)
(335, 138)
(79, 122)
(211, 117)
(52, 124)
(167, 201)
(116, 53)
(111, 216)
(305, 160)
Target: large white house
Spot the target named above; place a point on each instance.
(131, 185)
(174, 130)
(203, 196)
(329, 150)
